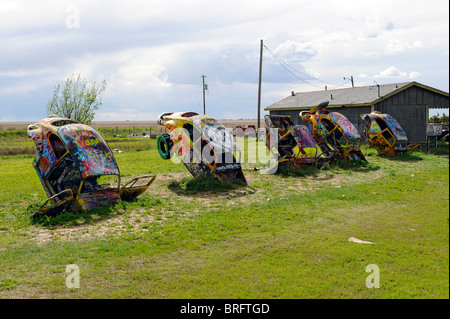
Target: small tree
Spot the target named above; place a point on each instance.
(438, 119)
(434, 119)
(76, 100)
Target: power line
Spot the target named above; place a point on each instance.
(286, 65)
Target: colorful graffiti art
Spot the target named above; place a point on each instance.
(350, 132)
(334, 133)
(291, 145)
(203, 145)
(89, 150)
(397, 130)
(384, 133)
(70, 160)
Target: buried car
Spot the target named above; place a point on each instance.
(292, 144)
(334, 133)
(385, 134)
(202, 143)
(77, 168)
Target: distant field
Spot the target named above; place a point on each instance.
(14, 139)
(126, 124)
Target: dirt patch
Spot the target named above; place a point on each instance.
(131, 222)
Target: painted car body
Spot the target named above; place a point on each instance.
(291, 144)
(334, 133)
(202, 143)
(384, 133)
(70, 160)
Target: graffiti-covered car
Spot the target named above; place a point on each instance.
(202, 143)
(334, 133)
(384, 133)
(292, 144)
(77, 168)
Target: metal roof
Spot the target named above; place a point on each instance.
(355, 96)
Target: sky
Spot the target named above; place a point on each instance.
(153, 53)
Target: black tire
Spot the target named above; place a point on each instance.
(164, 145)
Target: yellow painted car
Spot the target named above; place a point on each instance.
(385, 134)
(292, 144)
(334, 133)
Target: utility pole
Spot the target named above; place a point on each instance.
(259, 86)
(351, 79)
(205, 87)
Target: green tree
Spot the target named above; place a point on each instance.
(76, 100)
(434, 119)
(438, 119)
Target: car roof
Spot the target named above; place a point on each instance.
(52, 123)
(89, 150)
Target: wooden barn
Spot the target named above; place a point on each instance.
(408, 102)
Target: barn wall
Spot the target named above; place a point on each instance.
(412, 118)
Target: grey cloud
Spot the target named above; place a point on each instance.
(178, 41)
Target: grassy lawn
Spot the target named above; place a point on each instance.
(282, 236)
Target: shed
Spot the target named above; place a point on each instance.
(408, 102)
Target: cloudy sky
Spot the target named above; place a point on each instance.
(153, 53)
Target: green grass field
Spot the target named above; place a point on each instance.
(282, 236)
